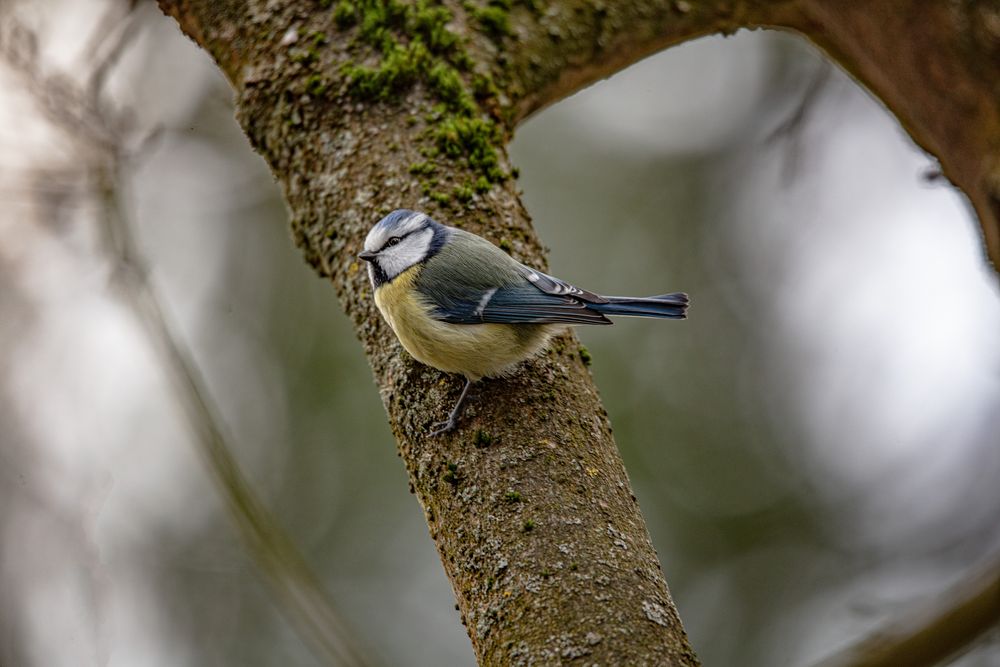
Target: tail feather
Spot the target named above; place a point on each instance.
(671, 306)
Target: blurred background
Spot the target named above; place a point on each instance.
(815, 451)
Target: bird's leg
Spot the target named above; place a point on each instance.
(445, 426)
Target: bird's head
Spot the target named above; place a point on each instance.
(398, 241)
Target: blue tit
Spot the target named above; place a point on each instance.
(462, 305)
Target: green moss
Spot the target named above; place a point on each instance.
(505, 245)
(494, 17)
(316, 85)
(430, 23)
(415, 46)
(494, 20)
(483, 86)
(379, 20)
(528, 526)
(442, 198)
(422, 168)
(448, 87)
(451, 476)
(325, 4)
(482, 439)
(396, 72)
(304, 56)
(512, 497)
(463, 193)
(472, 139)
(345, 15)
(585, 356)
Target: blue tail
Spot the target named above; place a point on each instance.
(671, 306)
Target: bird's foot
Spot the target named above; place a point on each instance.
(444, 427)
(449, 425)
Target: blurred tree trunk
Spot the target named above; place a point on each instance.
(363, 107)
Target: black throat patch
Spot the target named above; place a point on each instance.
(378, 275)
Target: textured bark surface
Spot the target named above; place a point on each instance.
(528, 502)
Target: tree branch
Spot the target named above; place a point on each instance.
(382, 105)
(935, 65)
(933, 632)
(371, 106)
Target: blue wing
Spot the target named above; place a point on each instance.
(520, 304)
(471, 281)
(555, 287)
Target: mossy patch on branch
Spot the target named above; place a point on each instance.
(494, 19)
(316, 85)
(415, 46)
(400, 67)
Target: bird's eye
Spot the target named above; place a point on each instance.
(393, 241)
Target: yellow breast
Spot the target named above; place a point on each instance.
(474, 350)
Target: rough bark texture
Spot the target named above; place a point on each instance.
(360, 108)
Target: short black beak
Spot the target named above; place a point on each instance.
(367, 255)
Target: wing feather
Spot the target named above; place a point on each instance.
(471, 281)
(517, 305)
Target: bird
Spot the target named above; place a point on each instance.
(460, 304)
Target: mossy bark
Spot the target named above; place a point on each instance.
(363, 107)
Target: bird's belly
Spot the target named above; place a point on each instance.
(474, 350)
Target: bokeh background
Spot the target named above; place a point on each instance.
(815, 450)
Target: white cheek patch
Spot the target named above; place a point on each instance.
(398, 258)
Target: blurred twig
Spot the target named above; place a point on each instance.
(791, 128)
(297, 587)
(935, 632)
(111, 147)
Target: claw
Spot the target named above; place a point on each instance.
(452, 421)
(443, 427)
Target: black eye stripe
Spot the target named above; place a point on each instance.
(395, 240)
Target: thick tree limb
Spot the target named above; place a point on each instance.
(529, 503)
(371, 106)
